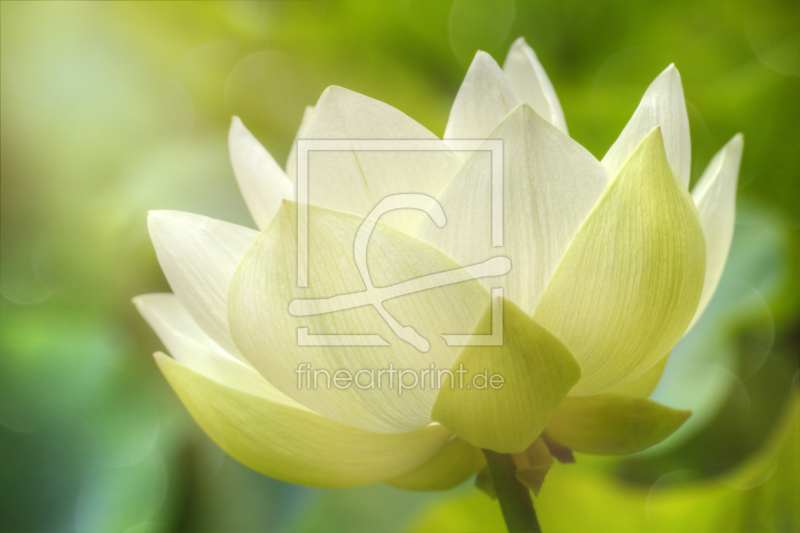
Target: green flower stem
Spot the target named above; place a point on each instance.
(514, 497)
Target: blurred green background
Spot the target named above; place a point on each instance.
(111, 109)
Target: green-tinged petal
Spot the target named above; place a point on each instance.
(506, 413)
(629, 284)
(715, 198)
(354, 177)
(455, 463)
(533, 464)
(187, 343)
(280, 326)
(199, 256)
(644, 385)
(169, 318)
(609, 424)
(291, 161)
(484, 99)
(262, 182)
(297, 445)
(550, 184)
(662, 105)
(531, 84)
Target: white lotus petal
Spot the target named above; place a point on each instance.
(267, 310)
(199, 256)
(176, 328)
(550, 184)
(715, 198)
(352, 179)
(484, 99)
(291, 161)
(629, 284)
(293, 444)
(261, 180)
(531, 84)
(662, 105)
(188, 345)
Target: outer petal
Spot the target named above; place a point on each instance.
(531, 84)
(662, 105)
(356, 180)
(550, 184)
(269, 314)
(455, 463)
(629, 284)
(609, 424)
(199, 256)
(537, 373)
(291, 161)
(294, 444)
(644, 385)
(484, 99)
(177, 329)
(715, 198)
(261, 180)
(191, 347)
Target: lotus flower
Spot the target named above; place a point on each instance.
(612, 261)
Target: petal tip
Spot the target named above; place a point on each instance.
(654, 136)
(521, 44)
(157, 215)
(237, 132)
(169, 222)
(482, 58)
(672, 76)
(332, 91)
(141, 301)
(160, 217)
